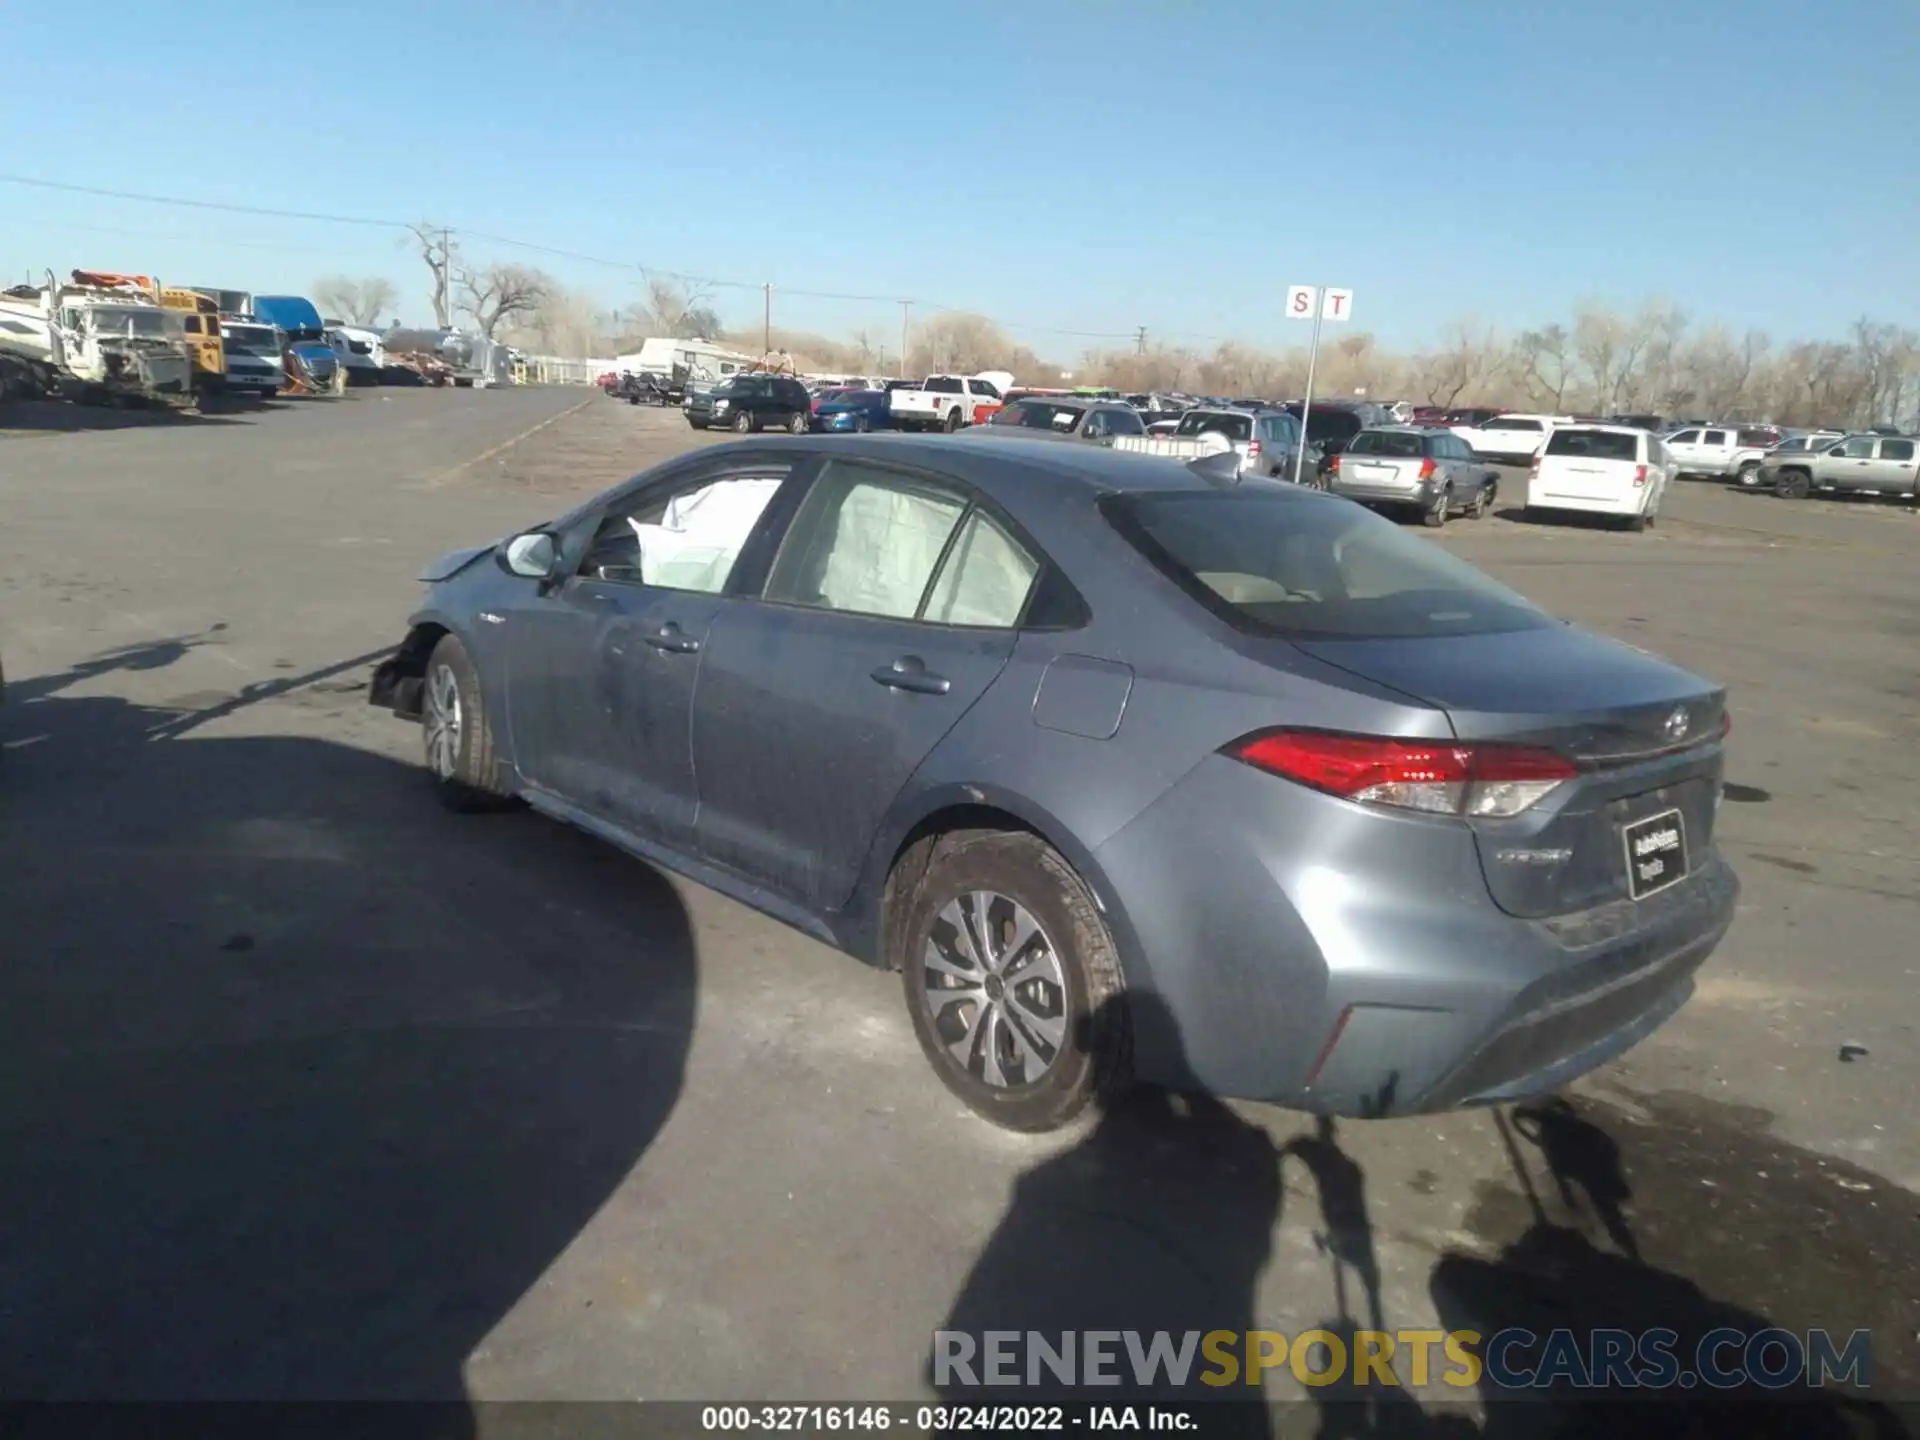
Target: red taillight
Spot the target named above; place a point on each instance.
(1726, 724)
(1253, 450)
(1426, 469)
(1334, 464)
(1433, 776)
(1639, 475)
(1533, 470)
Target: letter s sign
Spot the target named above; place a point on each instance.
(1300, 301)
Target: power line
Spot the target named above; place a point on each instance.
(631, 266)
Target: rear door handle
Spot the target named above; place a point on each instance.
(671, 637)
(910, 672)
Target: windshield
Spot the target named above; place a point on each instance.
(1398, 447)
(250, 337)
(1595, 444)
(132, 320)
(1202, 422)
(1040, 415)
(1307, 567)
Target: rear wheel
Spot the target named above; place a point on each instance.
(456, 733)
(1483, 501)
(1012, 980)
(861, 424)
(1793, 485)
(953, 421)
(1436, 514)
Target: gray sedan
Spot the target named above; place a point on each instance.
(1096, 421)
(1131, 772)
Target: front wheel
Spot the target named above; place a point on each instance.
(1793, 485)
(1013, 981)
(797, 422)
(743, 422)
(456, 733)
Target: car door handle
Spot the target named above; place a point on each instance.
(910, 672)
(671, 637)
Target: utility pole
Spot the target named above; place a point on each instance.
(446, 278)
(904, 304)
(766, 332)
(1140, 342)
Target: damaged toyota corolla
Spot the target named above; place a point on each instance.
(1131, 770)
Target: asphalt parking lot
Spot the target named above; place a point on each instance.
(313, 1090)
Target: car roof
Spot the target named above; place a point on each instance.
(997, 469)
(1608, 426)
(1422, 430)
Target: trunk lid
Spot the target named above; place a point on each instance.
(1646, 735)
(1581, 477)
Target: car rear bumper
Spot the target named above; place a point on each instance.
(1421, 493)
(1283, 945)
(1543, 494)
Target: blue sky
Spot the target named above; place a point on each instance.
(1062, 167)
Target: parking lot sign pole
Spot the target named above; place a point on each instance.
(1320, 305)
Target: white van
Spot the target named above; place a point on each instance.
(1601, 470)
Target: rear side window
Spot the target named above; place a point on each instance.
(866, 542)
(1398, 447)
(192, 322)
(1757, 437)
(1595, 444)
(1715, 437)
(1124, 422)
(1508, 422)
(1896, 449)
(1308, 567)
(985, 580)
(1040, 415)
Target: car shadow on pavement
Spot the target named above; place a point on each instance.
(304, 1081)
(1667, 1213)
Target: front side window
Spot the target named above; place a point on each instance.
(1125, 422)
(1860, 447)
(1685, 437)
(687, 539)
(867, 541)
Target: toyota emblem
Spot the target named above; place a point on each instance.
(1676, 726)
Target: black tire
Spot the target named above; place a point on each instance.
(798, 422)
(1435, 515)
(953, 421)
(1483, 501)
(861, 424)
(1093, 1059)
(743, 422)
(464, 773)
(1748, 475)
(1635, 524)
(1793, 485)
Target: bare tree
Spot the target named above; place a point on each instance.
(1543, 363)
(676, 309)
(500, 292)
(441, 254)
(358, 302)
(1468, 356)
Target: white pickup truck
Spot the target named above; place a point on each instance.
(1510, 438)
(947, 402)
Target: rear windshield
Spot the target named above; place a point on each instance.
(1308, 567)
(1331, 424)
(1399, 447)
(1595, 444)
(1202, 422)
(1040, 415)
(944, 385)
